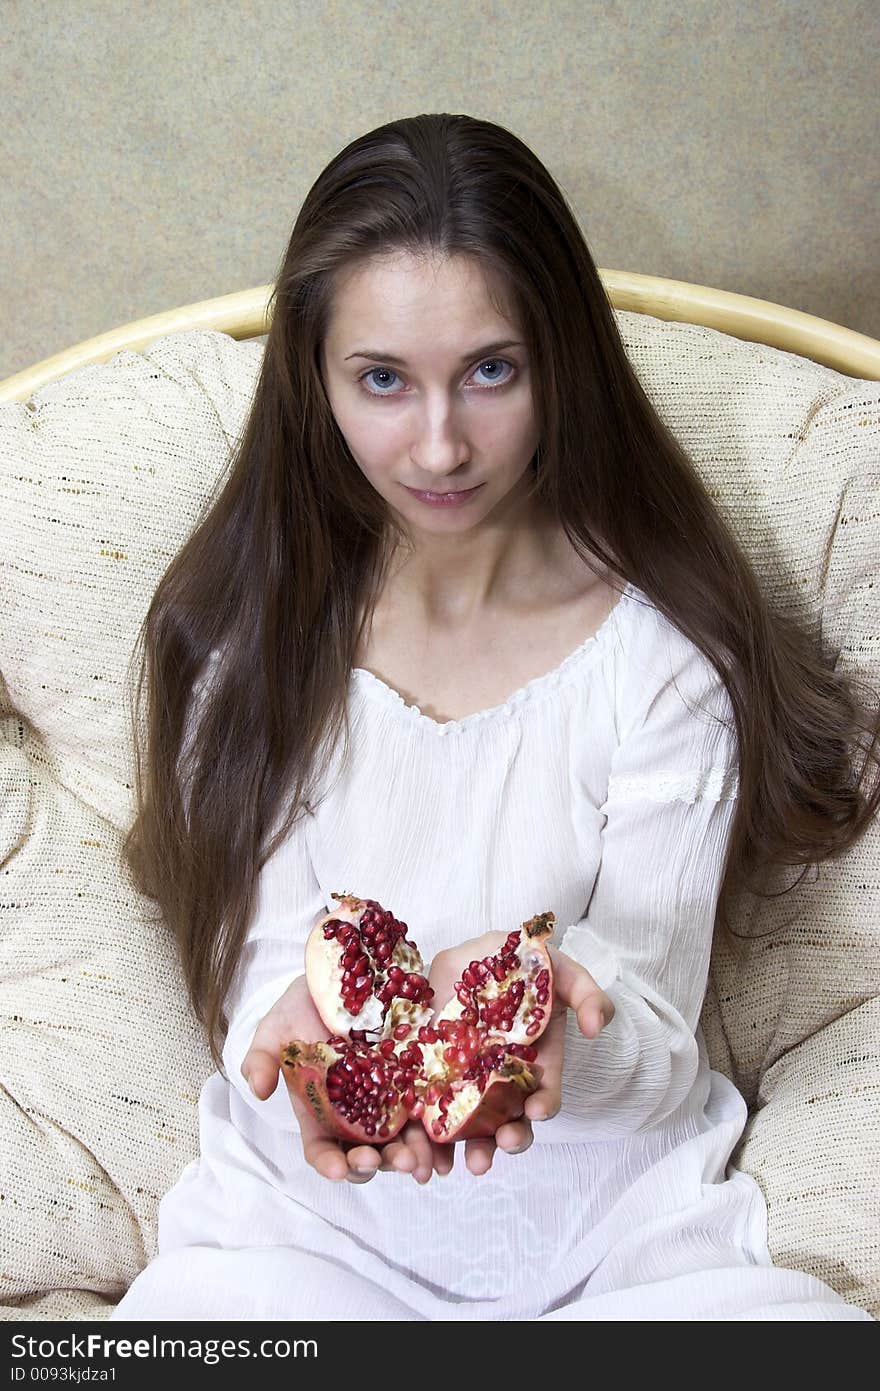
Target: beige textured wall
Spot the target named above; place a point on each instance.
(157, 154)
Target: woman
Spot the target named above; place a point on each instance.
(563, 691)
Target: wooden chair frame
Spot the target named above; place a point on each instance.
(245, 314)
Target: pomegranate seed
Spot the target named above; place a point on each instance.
(413, 986)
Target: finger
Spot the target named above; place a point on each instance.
(260, 1070)
(431, 1156)
(399, 1156)
(321, 1150)
(576, 988)
(363, 1161)
(443, 1157)
(418, 1152)
(514, 1136)
(479, 1154)
(323, 1153)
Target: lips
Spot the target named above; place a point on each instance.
(453, 492)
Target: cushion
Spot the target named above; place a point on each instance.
(102, 477)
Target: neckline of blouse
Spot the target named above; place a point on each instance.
(538, 685)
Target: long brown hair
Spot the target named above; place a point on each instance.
(284, 566)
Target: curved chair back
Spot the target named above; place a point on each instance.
(245, 314)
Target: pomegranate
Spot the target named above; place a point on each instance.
(462, 1072)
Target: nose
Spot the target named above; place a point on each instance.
(440, 447)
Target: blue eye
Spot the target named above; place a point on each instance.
(374, 373)
(496, 362)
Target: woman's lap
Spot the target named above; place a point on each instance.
(282, 1283)
(253, 1283)
(745, 1293)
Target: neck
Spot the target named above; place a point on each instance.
(452, 581)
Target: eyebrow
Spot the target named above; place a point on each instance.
(485, 351)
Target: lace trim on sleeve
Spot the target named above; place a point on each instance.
(715, 784)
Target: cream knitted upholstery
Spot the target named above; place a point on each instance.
(102, 477)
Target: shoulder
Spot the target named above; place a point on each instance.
(660, 671)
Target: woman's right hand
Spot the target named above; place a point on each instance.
(294, 1016)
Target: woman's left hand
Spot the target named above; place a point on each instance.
(573, 988)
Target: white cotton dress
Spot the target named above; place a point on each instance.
(603, 791)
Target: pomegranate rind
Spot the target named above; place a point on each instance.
(472, 1115)
(308, 1064)
(323, 969)
(323, 972)
(533, 966)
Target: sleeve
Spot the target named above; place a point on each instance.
(288, 902)
(646, 936)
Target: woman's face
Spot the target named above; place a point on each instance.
(424, 392)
